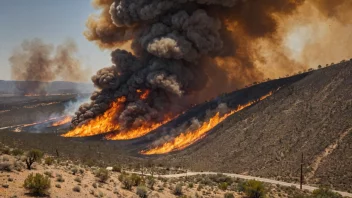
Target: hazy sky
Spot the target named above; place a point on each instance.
(51, 20)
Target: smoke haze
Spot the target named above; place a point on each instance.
(42, 63)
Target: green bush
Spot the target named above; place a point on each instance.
(127, 183)
(325, 193)
(253, 189)
(102, 174)
(178, 190)
(223, 186)
(150, 182)
(142, 191)
(228, 195)
(33, 156)
(17, 152)
(116, 168)
(37, 184)
(49, 161)
(190, 185)
(136, 179)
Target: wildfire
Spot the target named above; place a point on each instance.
(31, 124)
(40, 105)
(64, 121)
(102, 124)
(187, 138)
(138, 132)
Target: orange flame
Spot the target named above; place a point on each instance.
(143, 94)
(65, 120)
(102, 124)
(139, 131)
(189, 137)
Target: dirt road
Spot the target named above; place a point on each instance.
(246, 177)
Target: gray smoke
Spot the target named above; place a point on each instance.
(41, 63)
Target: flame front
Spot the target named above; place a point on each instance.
(140, 131)
(187, 138)
(100, 125)
(64, 121)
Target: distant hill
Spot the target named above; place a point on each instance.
(57, 87)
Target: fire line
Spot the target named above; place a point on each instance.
(188, 138)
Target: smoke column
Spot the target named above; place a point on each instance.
(40, 63)
(187, 51)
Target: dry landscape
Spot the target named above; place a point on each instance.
(281, 127)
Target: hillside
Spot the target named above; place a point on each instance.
(311, 116)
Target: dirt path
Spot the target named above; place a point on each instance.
(246, 177)
(328, 150)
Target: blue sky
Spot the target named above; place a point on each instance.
(51, 20)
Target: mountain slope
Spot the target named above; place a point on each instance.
(311, 116)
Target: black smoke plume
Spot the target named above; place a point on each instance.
(182, 51)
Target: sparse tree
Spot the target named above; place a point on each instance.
(33, 156)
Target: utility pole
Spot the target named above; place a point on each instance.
(301, 182)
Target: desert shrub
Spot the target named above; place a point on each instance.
(223, 186)
(17, 152)
(253, 189)
(59, 178)
(78, 179)
(95, 185)
(81, 171)
(10, 179)
(49, 161)
(190, 185)
(325, 193)
(142, 191)
(178, 190)
(33, 156)
(18, 165)
(37, 184)
(116, 168)
(74, 170)
(49, 174)
(136, 180)
(228, 195)
(102, 174)
(150, 182)
(5, 166)
(127, 183)
(76, 189)
(57, 185)
(5, 151)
